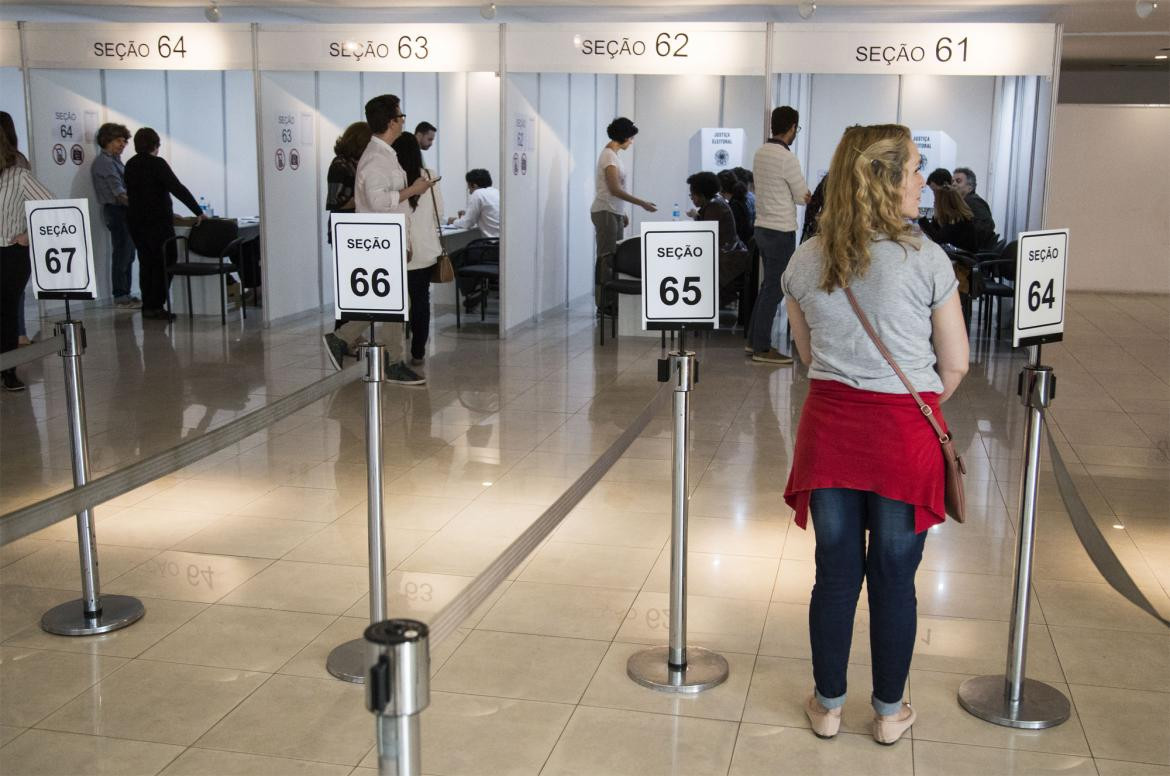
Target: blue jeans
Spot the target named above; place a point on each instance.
(776, 249)
(121, 250)
(841, 518)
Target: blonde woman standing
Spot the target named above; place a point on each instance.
(867, 464)
(425, 245)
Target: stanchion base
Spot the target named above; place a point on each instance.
(704, 670)
(68, 619)
(351, 661)
(1041, 705)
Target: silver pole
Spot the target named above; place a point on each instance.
(91, 614)
(349, 661)
(674, 668)
(398, 689)
(1013, 700)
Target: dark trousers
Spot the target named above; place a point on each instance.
(887, 563)
(775, 250)
(14, 271)
(121, 250)
(152, 265)
(418, 288)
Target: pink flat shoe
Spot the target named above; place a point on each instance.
(888, 729)
(825, 723)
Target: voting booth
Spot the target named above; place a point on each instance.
(192, 83)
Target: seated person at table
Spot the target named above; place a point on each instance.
(965, 185)
(735, 192)
(710, 206)
(483, 213)
(952, 223)
(939, 179)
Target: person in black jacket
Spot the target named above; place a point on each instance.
(953, 222)
(965, 183)
(150, 182)
(711, 206)
(735, 192)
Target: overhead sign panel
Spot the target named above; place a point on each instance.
(9, 45)
(429, 48)
(140, 46)
(909, 49)
(643, 49)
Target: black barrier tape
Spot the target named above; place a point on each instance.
(1094, 542)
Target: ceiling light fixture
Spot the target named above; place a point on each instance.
(212, 13)
(488, 11)
(807, 8)
(1145, 7)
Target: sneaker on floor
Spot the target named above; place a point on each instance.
(11, 382)
(336, 348)
(418, 362)
(23, 341)
(772, 356)
(749, 350)
(158, 315)
(126, 303)
(401, 374)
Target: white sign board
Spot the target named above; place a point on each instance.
(924, 49)
(9, 45)
(140, 46)
(643, 48)
(680, 274)
(1041, 270)
(61, 249)
(427, 48)
(369, 265)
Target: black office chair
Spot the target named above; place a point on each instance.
(627, 260)
(995, 280)
(481, 263)
(211, 248)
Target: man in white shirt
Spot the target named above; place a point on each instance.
(483, 213)
(780, 185)
(380, 187)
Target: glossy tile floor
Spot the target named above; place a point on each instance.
(251, 563)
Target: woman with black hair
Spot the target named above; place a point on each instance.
(711, 206)
(425, 246)
(150, 182)
(608, 211)
(735, 192)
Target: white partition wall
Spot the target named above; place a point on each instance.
(521, 207)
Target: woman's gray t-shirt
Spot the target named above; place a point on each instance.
(903, 286)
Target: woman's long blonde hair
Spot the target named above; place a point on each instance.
(863, 200)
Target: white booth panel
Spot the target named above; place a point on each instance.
(552, 170)
(135, 98)
(451, 145)
(196, 147)
(483, 123)
(839, 102)
(376, 83)
(338, 106)
(242, 198)
(669, 110)
(12, 87)
(518, 279)
(743, 108)
(584, 146)
(289, 214)
(960, 106)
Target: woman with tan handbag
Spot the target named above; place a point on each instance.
(876, 317)
(426, 247)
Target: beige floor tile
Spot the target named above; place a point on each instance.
(310, 661)
(953, 551)
(35, 682)
(505, 521)
(501, 736)
(975, 596)
(780, 687)
(7, 733)
(1120, 768)
(57, 566)
(162, 618)
(45, 753)
(311, 505)
(1125, 724)
(760, 748)
(562, 563)
(186, 576)
(14, 551)
(741, 505)
(253, 537)
(459, 554)
(238, 637)
(940, 718)
(166, 703)
(21, 607)
(978, 647)
(512, 665)
(612, 688)
(1137, 661)
(347, 543)
(721, 624)
(420, 513)
(417, 595)
(630, 743)
(208, 495)
(523, 488)
(208, 762)
(718, 576)
(302, 587)
(559, 610)
(648, 497)
(1091, 605)
(786, 633)
(310, 719)
(794, 582)
(935, 759)
(157, 528)
(616, 529)
(735, 537)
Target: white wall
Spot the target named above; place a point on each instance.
(959, 106)
(12, 89)
(519, 256)
(839, 102)
(584, 142)
(339, 104)
(553, 168)
(1114, 201)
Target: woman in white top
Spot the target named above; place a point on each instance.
(425, 245)
(609, 210)
(17, 186)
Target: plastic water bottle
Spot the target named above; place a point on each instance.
(203, 206)
(676, 214)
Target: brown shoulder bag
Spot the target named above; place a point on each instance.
(444, 270)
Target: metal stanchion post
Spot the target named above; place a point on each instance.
(398, 688)
(93, 613)
(348, 661)
(674, 668)
(1013, 700)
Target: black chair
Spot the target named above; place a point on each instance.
(995, 281)
(211, 248)
(481, 264)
